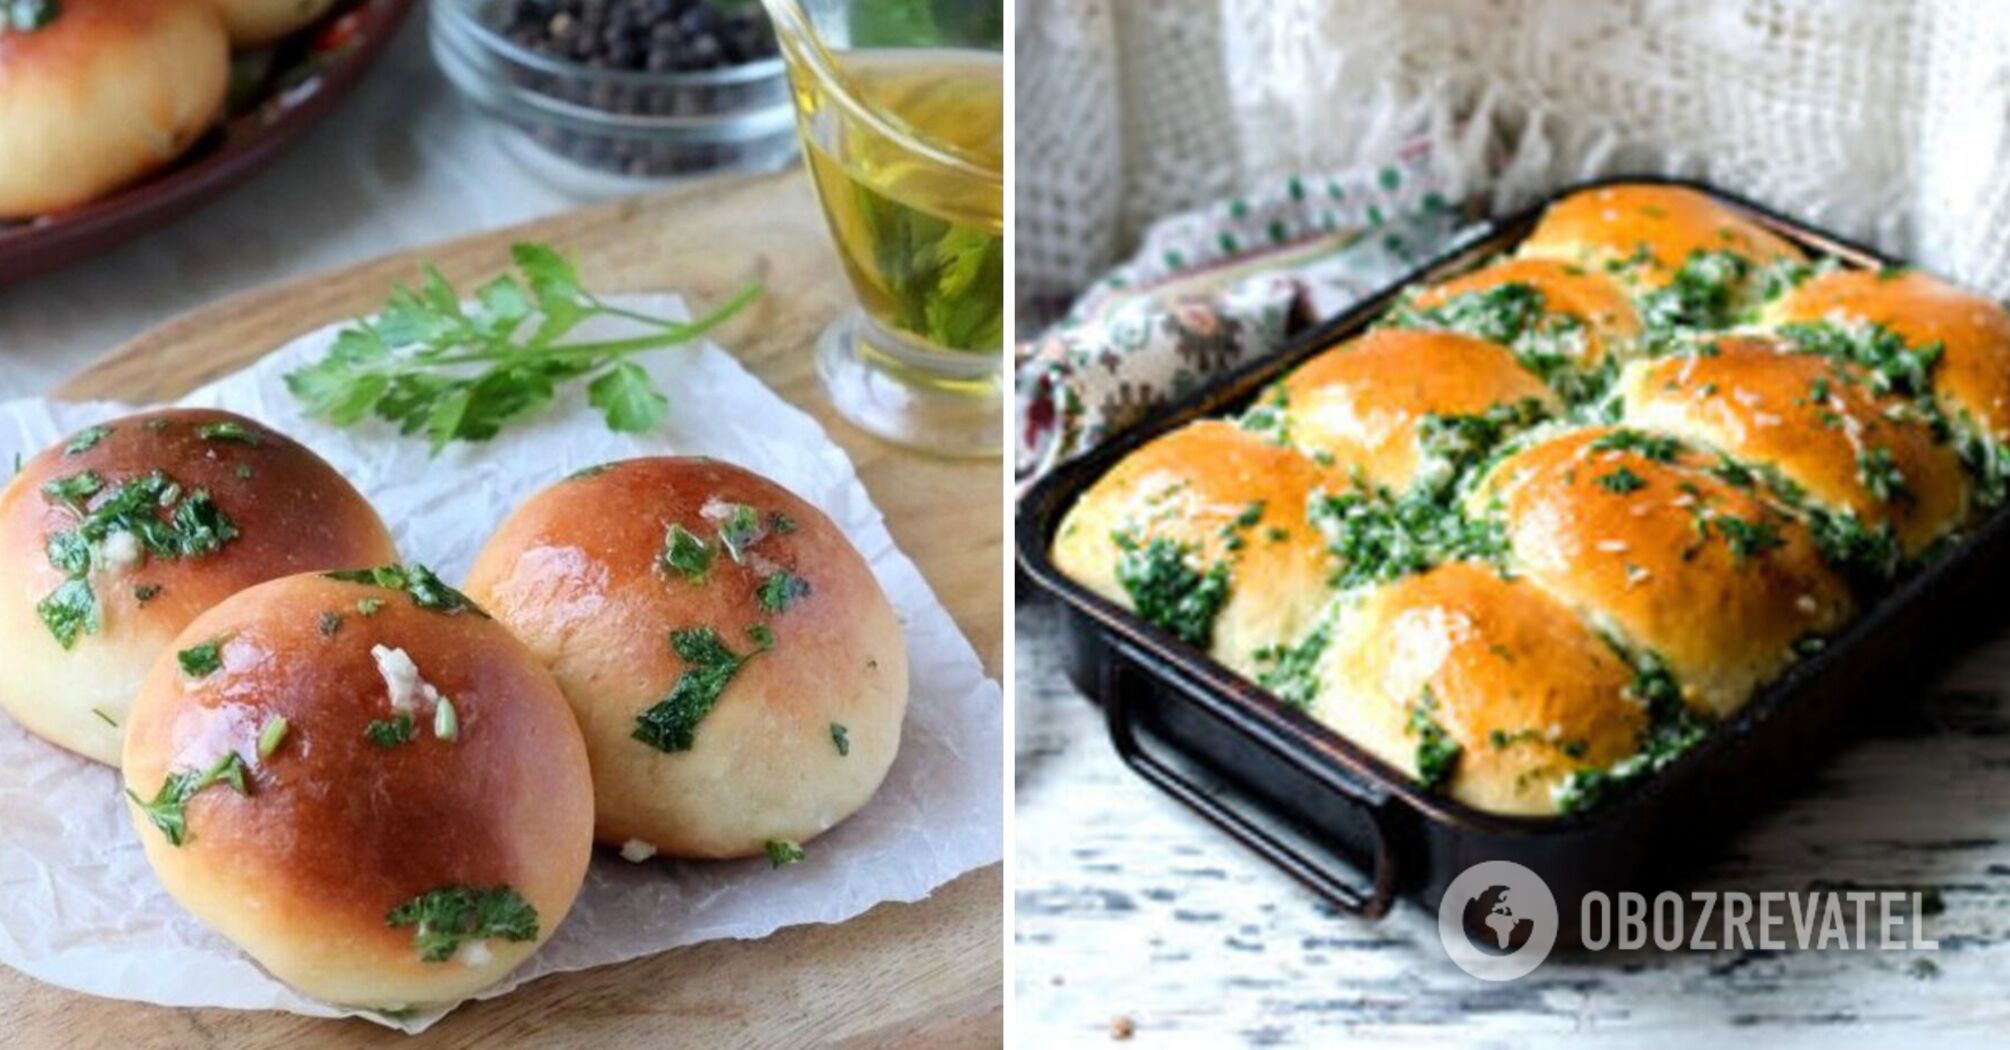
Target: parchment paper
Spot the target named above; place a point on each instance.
(80, 908)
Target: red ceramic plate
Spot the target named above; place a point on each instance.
(276, 94)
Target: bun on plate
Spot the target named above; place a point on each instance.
(112, 540)
(739, 675)
(105, 92)
(364, 782)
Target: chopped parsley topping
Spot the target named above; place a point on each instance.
(1672, 728)
(390, 732)
(331, 621)
(589, 472)
(761, 636)
(1292, 672)
(26, 16)
(781, 523)
(1621, 481)
(445, 918)
(271, 735)
(1880, 474)
(1658, 447)
(368, 606)
(193, 527)
(1267, 417)
(1461, 441)
(1890, 365)
(425, 589)
(74, 489)
(1707, 291)
(105, 718)
(1515, 315)
(86, 440)
(203, 660)
(1437, 753)
(782, 852)
(1169, 592)
(1747, 538)
(231, 431)
(841, 737)
(739, 530)
(672, 723)
(687, 554)
(168, 810)
(781, 589)
(1378, 537)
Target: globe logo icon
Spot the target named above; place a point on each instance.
(1491, 924)
(1497, 920)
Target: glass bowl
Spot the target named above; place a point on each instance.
(596, 130)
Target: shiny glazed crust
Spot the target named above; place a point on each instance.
(1611, 324)
(1497, 656)
(1636, 543)
(1363, 403)
(1817, 421)
(1973, 331)
(336, 830)
(108, 91)
(575, 572)
(1602, 229)
(293, 512)
(1190, 487)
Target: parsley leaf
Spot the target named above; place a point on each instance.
(86, 440)
(841, 737)
(780, 590)
(446, 917)
(685, 552)
(426, 590)
(1167, 591)
(390, 732)
(429, 365)
(672, 723)
(1437, 752)
(232, 431)
(168, 809)
(203, 660)
(782, 852)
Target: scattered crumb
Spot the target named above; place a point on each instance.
(1122, 1028)
(635, 851)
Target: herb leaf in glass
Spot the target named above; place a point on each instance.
(901, 108)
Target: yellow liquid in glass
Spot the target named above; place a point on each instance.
(922, 238)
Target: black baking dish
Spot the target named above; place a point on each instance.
(1361, 833)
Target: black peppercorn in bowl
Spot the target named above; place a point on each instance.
(594, 93)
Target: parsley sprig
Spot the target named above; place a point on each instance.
(430, 365)
(446, 917)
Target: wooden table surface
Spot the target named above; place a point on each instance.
(1135, 911)
(924, 975)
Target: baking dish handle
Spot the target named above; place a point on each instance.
(1323, 874)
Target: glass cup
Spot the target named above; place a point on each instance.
(900, 104)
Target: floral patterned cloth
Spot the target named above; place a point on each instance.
(1212, 289)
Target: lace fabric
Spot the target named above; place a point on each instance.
(1885, 120)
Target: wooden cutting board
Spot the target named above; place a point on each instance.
(915, 975)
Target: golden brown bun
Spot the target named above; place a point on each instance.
(1616, 534)
(1497, 657)
(108, 91)
(255, 22)
(293, 513)
(1973, 376)
(1754, 399)
(1602, 229)
(574, 572)
(1191, 487)
(1364, 402)
(1611, 325)
(335, 830)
